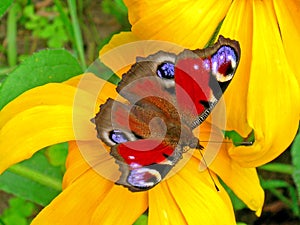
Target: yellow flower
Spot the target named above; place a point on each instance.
(45, 115)
(264, 95)
(56, 113)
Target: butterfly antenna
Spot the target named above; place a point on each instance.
(213, 180)
(244, 143)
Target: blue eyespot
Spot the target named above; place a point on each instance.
(224, 61)
(224, 54)
(166, 70)
(117, 136)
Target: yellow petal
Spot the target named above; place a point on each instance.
(117, 40)
(120, 206)
(188, 23)
(90, 93)
(73, 81)
(38, 118)
(288, 14)
(163, 208)
(238, 26)
(32, 130)
(123, 49)
(243, 182)
(196, 196)
(77, 202)
(39, 96)
(273, 100)
(96, 155)
(76, 165)
(84, 155)
(87, 192)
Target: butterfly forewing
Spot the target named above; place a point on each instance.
(150, 75)
(204, 75)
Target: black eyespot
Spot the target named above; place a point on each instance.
(229, 70)
(166, 70)
(204, 103)
(117, 136)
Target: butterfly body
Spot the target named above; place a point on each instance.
(167, 96)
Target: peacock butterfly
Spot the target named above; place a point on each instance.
(165, 97)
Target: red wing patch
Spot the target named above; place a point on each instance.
(144, 152)
(192, 84)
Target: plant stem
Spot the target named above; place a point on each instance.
(67, 23)
(12, 36)
(36, 176)
(77, 32)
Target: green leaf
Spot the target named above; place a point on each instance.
(237, 203)
(65, 21)
(277, 167)
(102, 71)
(13, 219)
(237, 139)
(295, 152)
(52, 65)
(34, 179)
(118, 9)
(294, 201)
(57, 154)
(4, 5)
(214, 35)
(276, 187)
(2, 78)
(23, 207)
(272, 184)
(142, 220)
(18, 212)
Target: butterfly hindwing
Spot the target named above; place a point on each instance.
(138, 141)
(108, 129)
(144, 160)
(144, 163)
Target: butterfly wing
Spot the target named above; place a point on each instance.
(168, 95)
(204, 74)
(143, 163)
(111, 127)
(143, 152)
